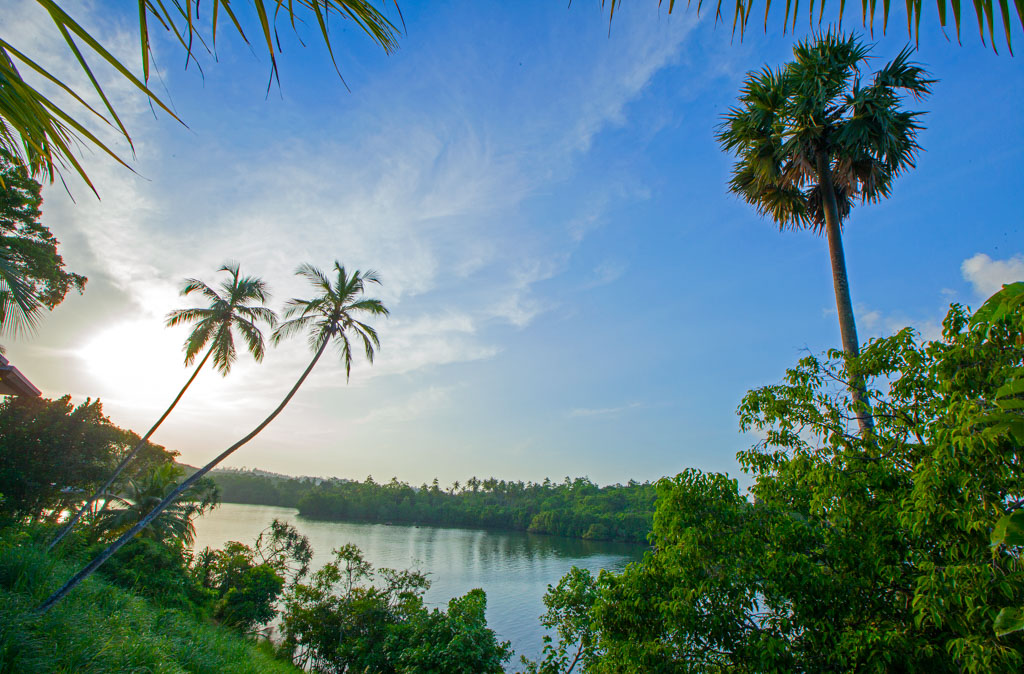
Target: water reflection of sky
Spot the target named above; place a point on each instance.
(514, 569)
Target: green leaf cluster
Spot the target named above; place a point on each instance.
(53, 453)
(248, 580)
(820, 127)
(352, 618)
(130, 623)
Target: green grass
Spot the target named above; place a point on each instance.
(102, 628)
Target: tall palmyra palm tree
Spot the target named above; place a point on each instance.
(330, 316)
(237, 306)
(813, 137)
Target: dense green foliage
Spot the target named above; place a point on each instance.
(259, 488)
(350, 618)
(104, 628)
(247, 581)
(53, 454)
(154, 606)
(852, 552)
(123, 510)
(575, 508)
(161, 573)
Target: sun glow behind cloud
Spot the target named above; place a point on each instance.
(133, 358)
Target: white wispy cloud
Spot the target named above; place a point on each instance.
(606, 272)
(876, 323)
(603, 411)
(987, 276)
(415, 406)
(428, 194)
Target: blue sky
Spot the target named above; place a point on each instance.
(573, 291)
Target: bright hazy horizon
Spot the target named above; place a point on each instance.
(572, 289)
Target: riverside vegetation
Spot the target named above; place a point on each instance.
(575, 508)
(157, 605)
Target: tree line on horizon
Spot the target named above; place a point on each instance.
(574, 508)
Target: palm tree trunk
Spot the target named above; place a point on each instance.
(195, 477)
(127, 459)
(844, 305)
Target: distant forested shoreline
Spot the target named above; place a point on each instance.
(575, 508)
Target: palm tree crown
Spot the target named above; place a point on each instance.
(331, 314)
(231, 308)
(819, 108)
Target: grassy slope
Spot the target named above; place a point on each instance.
(102, 628)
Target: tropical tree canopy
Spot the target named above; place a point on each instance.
(45, 136)
(895, 551)
(331, 315)
(139, 495)
(53, 453)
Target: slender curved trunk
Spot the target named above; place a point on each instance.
(173, 496)
(127, 459)
(844, 306)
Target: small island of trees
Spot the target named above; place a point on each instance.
(575, 508)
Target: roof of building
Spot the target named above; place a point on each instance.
(13, 382)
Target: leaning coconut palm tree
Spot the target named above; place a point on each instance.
(813, 137)
(237, 306)
(330, 316)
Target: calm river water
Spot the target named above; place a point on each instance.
(514, 569)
